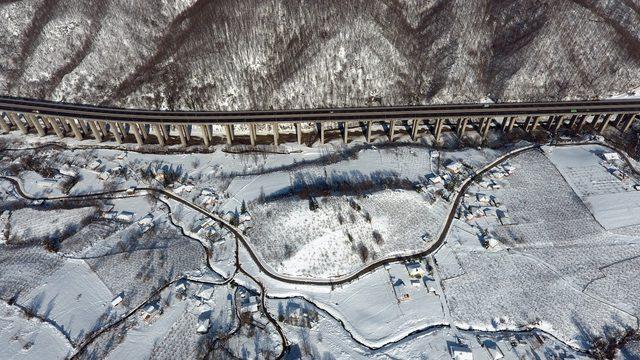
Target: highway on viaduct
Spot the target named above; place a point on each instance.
(450, 111)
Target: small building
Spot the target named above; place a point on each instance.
(415, 269)
(149, 311)
(183, 188)
(509, 169)
(117, 300)
(104, 175)
(493, 350)
(125, 216)
(208, 192)
(497, 174)
(205, 292)
(415, 282)
(66, 170)
(181, 287)
(146, 223)
(483, 198)
(454, 167)
(491, 242)
(47, 183)
(203, 325)
(637, 187)
(460, 352)
(504, 217)
(250, 304)
(495, 186)
(399, 288)
(94, 165)
(434, 179)
(611, 156)
(109, 215)
(484, 184)
(490, 212)
(619, 174)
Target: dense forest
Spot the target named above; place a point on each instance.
(261, 54)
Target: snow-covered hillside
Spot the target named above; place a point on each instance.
(239, 54)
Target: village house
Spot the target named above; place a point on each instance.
(611, 156)
(250, 304)
(415, 269)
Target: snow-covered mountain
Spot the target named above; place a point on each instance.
(241, 54)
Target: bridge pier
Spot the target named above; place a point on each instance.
(65, 126)
(392, 129)
(182, 134)
(3, 124)
(299, 133)
(594, 121)
(136, 133)
(438, 130)
(53, 123)
(536, 122)
(143, 131)
(414, 129)
(632, 118)
(462, 127)
(75, 129)
(512, 123)
(33, 119)
(84, 126)
(252, 134)
(487, 126)
(572, 122)
(605, 123)
(229, 133)
(95, 131)
(276, 133)
(369, 124)
(345, 132)
(321, 133)
(206, 136)
(616, 122)
(15, 118)
(116, 133)
(159, 134)
(550, 121)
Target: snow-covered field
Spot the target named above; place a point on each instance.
(554, 263)
(326, 242)
(326, 338)
(547, 262)
(24, 338)
(612, 201)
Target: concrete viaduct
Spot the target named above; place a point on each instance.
(101, 124)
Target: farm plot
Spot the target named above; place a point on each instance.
(325, 338)
(73, 297)
(344, 232)
(602, 185)
(24, 268)
(146, 262)
(544, 208)
(31, 224)
(411, 162)
(553, 275)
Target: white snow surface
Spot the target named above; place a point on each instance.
(73, 296)
(22, 338)
(613, 202)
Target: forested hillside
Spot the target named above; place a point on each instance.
(241, 54)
